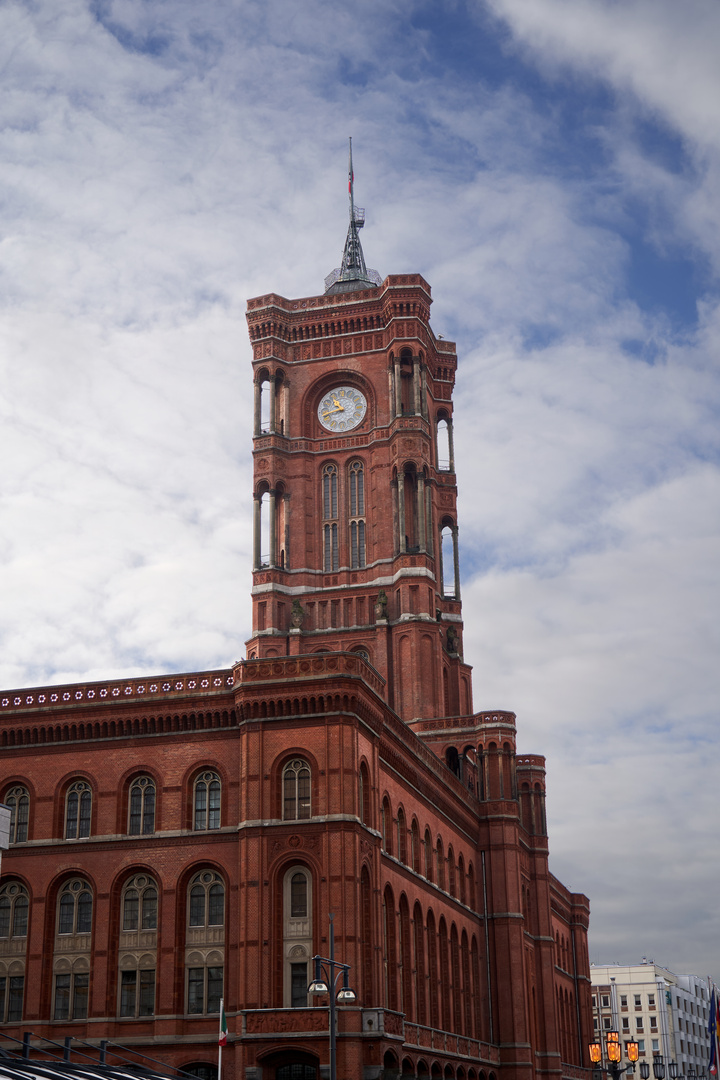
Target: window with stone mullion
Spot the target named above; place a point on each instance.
(331, 554)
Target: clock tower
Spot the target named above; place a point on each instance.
(355, 519)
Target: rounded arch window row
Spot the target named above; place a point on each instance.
(205, 795)
(427, 856)
(137, 914)
(433, 969)
(139, 795)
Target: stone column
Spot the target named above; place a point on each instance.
(273, 530)
(451, 443)
(401, 509)
(456, 560)
(429, 526)
(257, 533)
(398, 388)
(257, 395)
(286, 537)
(422, 541)
(273, 403)
(416, 385)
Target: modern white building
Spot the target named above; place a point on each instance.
(662, 1012)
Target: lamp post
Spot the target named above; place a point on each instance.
(613, 1051)
(332, 970)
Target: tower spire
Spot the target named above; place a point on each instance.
(352, 275)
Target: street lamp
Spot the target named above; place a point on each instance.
(332, 969)
(613, 1051)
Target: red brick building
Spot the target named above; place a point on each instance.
(184, 838)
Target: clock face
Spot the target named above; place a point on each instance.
(342, 409)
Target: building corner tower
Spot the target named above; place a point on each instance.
(355, 498)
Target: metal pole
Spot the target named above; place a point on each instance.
(333, 1050)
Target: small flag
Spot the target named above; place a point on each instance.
(712, 1032)
(222, 1038)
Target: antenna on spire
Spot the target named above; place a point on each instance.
(353, 275)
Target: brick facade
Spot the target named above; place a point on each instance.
(187, 836)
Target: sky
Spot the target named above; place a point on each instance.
(552, 168)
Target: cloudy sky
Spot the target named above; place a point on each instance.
(552, 167)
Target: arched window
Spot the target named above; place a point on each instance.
(330, 518)
(138, 947)
(296, 790)
(78, 807)
(356, 481)
(451, 871)
(297, 936)
(71, 964)
(206, 801)
(415, 846)
(440, 864)
(402, 836)
(205, 940)
(386, 826)
(75, 908)
(14, 907)
(207, 900)
(428, 855)
(364, 794)
(141, 817)
(139, 904)
(18, 799)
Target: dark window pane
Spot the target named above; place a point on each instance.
(298, 986)
(149, 909)
(289, 785)
(197, 906)
(303, 784)
(80, 997)
(196, 985)
(20, 917)
(62, 997)
(130, 910)
(67, 916)
(3, 985)
(15, 997)
(216, 906)
(84, 917)
(298, 896)
(85, 801)
(200, 804)
(148, 825)
(4, 917)
(128, 984)
(72, 815)
(214, 805)
(20, 830)
(147, 993)
(215, 988)
(136, 798)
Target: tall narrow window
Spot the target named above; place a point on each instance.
(296, 790)
(331, 556)
(356, 481)
(297, 936)
(71, 963)
(141, 821)
(78, 807)
(207, 801)
(14, 909)
(18, 799)
(137, 959)
(205, 940)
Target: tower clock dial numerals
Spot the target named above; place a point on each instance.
(342, 409)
